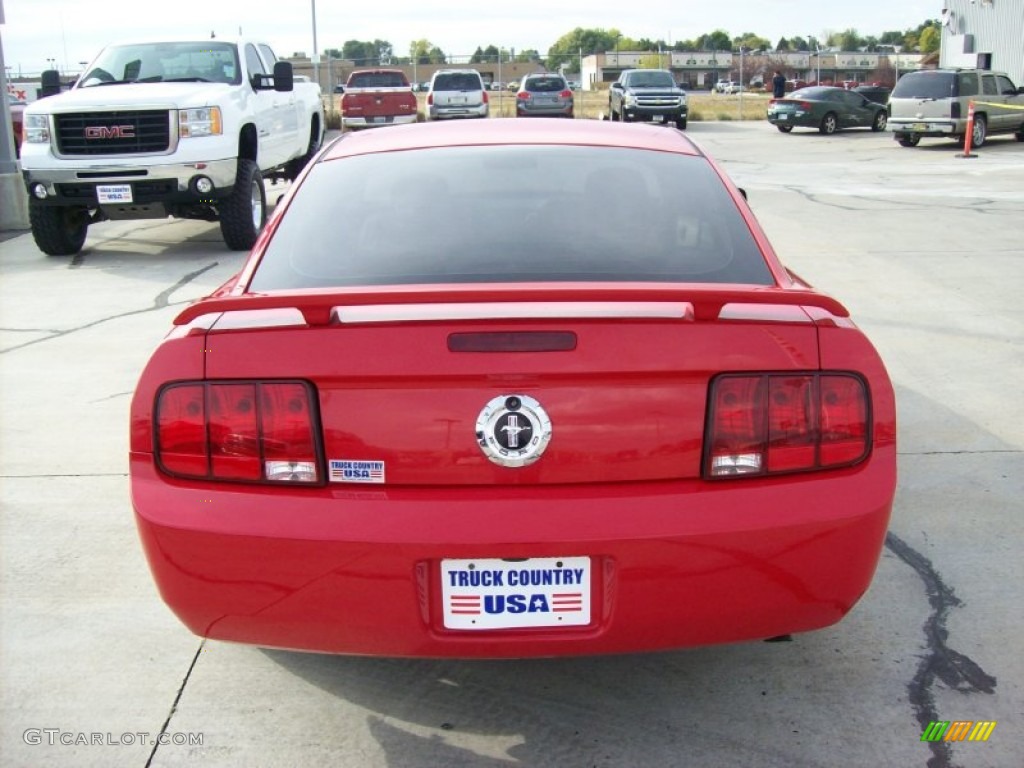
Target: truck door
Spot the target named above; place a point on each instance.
(288, 110)
(266, 113)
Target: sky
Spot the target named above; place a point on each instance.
(72, 31)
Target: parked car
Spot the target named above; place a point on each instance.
(544, 95)
(456, 93)
(876, 93)
(649, 95)
(17, 107)
(620, 425)
(826, 108)
(935, 103)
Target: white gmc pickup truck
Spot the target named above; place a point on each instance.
(186, 128)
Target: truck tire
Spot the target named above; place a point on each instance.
(58, 231)
(243, 214)
(295, 166)
(681, 123)
(908, 139)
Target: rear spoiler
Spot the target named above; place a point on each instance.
(318, 308)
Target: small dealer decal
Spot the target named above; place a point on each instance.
(355, 471)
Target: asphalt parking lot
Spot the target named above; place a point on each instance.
(927, 251)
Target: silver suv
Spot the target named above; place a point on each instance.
(456, 93)
(934, 102)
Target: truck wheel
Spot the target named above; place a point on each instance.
(681, 124)
(295, 166)
(243, 215)
(980, 131)
(612, 114)
(908, 139)
(58, 231)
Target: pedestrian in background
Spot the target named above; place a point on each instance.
(778, 85)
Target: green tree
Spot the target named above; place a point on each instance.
(782, 45)
(798, 44)
(847, 40)
(425, 52)
(930, 39)
(567, 47)
(478, 56)
(750, 42)
(715, 41)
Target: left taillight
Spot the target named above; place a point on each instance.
(773, 423)
(251, 431)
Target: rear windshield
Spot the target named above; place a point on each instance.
(457, 81)
(545, 84)
(814, 93)
(377, 80)
(510, 214)
(926, 85)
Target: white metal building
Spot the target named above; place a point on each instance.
(987, 34)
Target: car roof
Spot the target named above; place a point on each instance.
(499, 131)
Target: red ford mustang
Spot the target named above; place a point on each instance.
(618, 424)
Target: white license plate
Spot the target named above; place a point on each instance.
(114, 193)
(514, 594)
(919, 127)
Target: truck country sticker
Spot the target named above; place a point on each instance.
(355, 471)
(506, 594)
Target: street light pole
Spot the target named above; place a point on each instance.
(316, 55)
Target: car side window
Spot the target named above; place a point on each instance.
(988, 85)
(968, 83)
(253, 62)
(268, 54)
(1006, 86)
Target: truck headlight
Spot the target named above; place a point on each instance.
(204, 121)
(36, 129)
(629, 99)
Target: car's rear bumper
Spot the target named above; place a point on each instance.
(450, 113)
(545, 110)
(926, 127)
(374, 122)
(357, 569)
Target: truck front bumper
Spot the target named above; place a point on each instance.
(169, 184)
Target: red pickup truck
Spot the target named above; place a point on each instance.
(377, 97)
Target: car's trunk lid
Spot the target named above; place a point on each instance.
(624, 384)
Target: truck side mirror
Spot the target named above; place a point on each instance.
(284, 77)
(50, 83)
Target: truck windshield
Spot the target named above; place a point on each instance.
(205, 61)
(651, 80)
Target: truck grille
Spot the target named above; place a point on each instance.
(658, 101)
(113, 133)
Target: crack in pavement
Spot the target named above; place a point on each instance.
(161, 301)
(960, 453)
(941, 662)
(174, 705)
(65, 474)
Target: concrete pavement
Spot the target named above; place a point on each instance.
(927, 251)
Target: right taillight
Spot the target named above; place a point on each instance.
(253, 431)
(773, 423)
